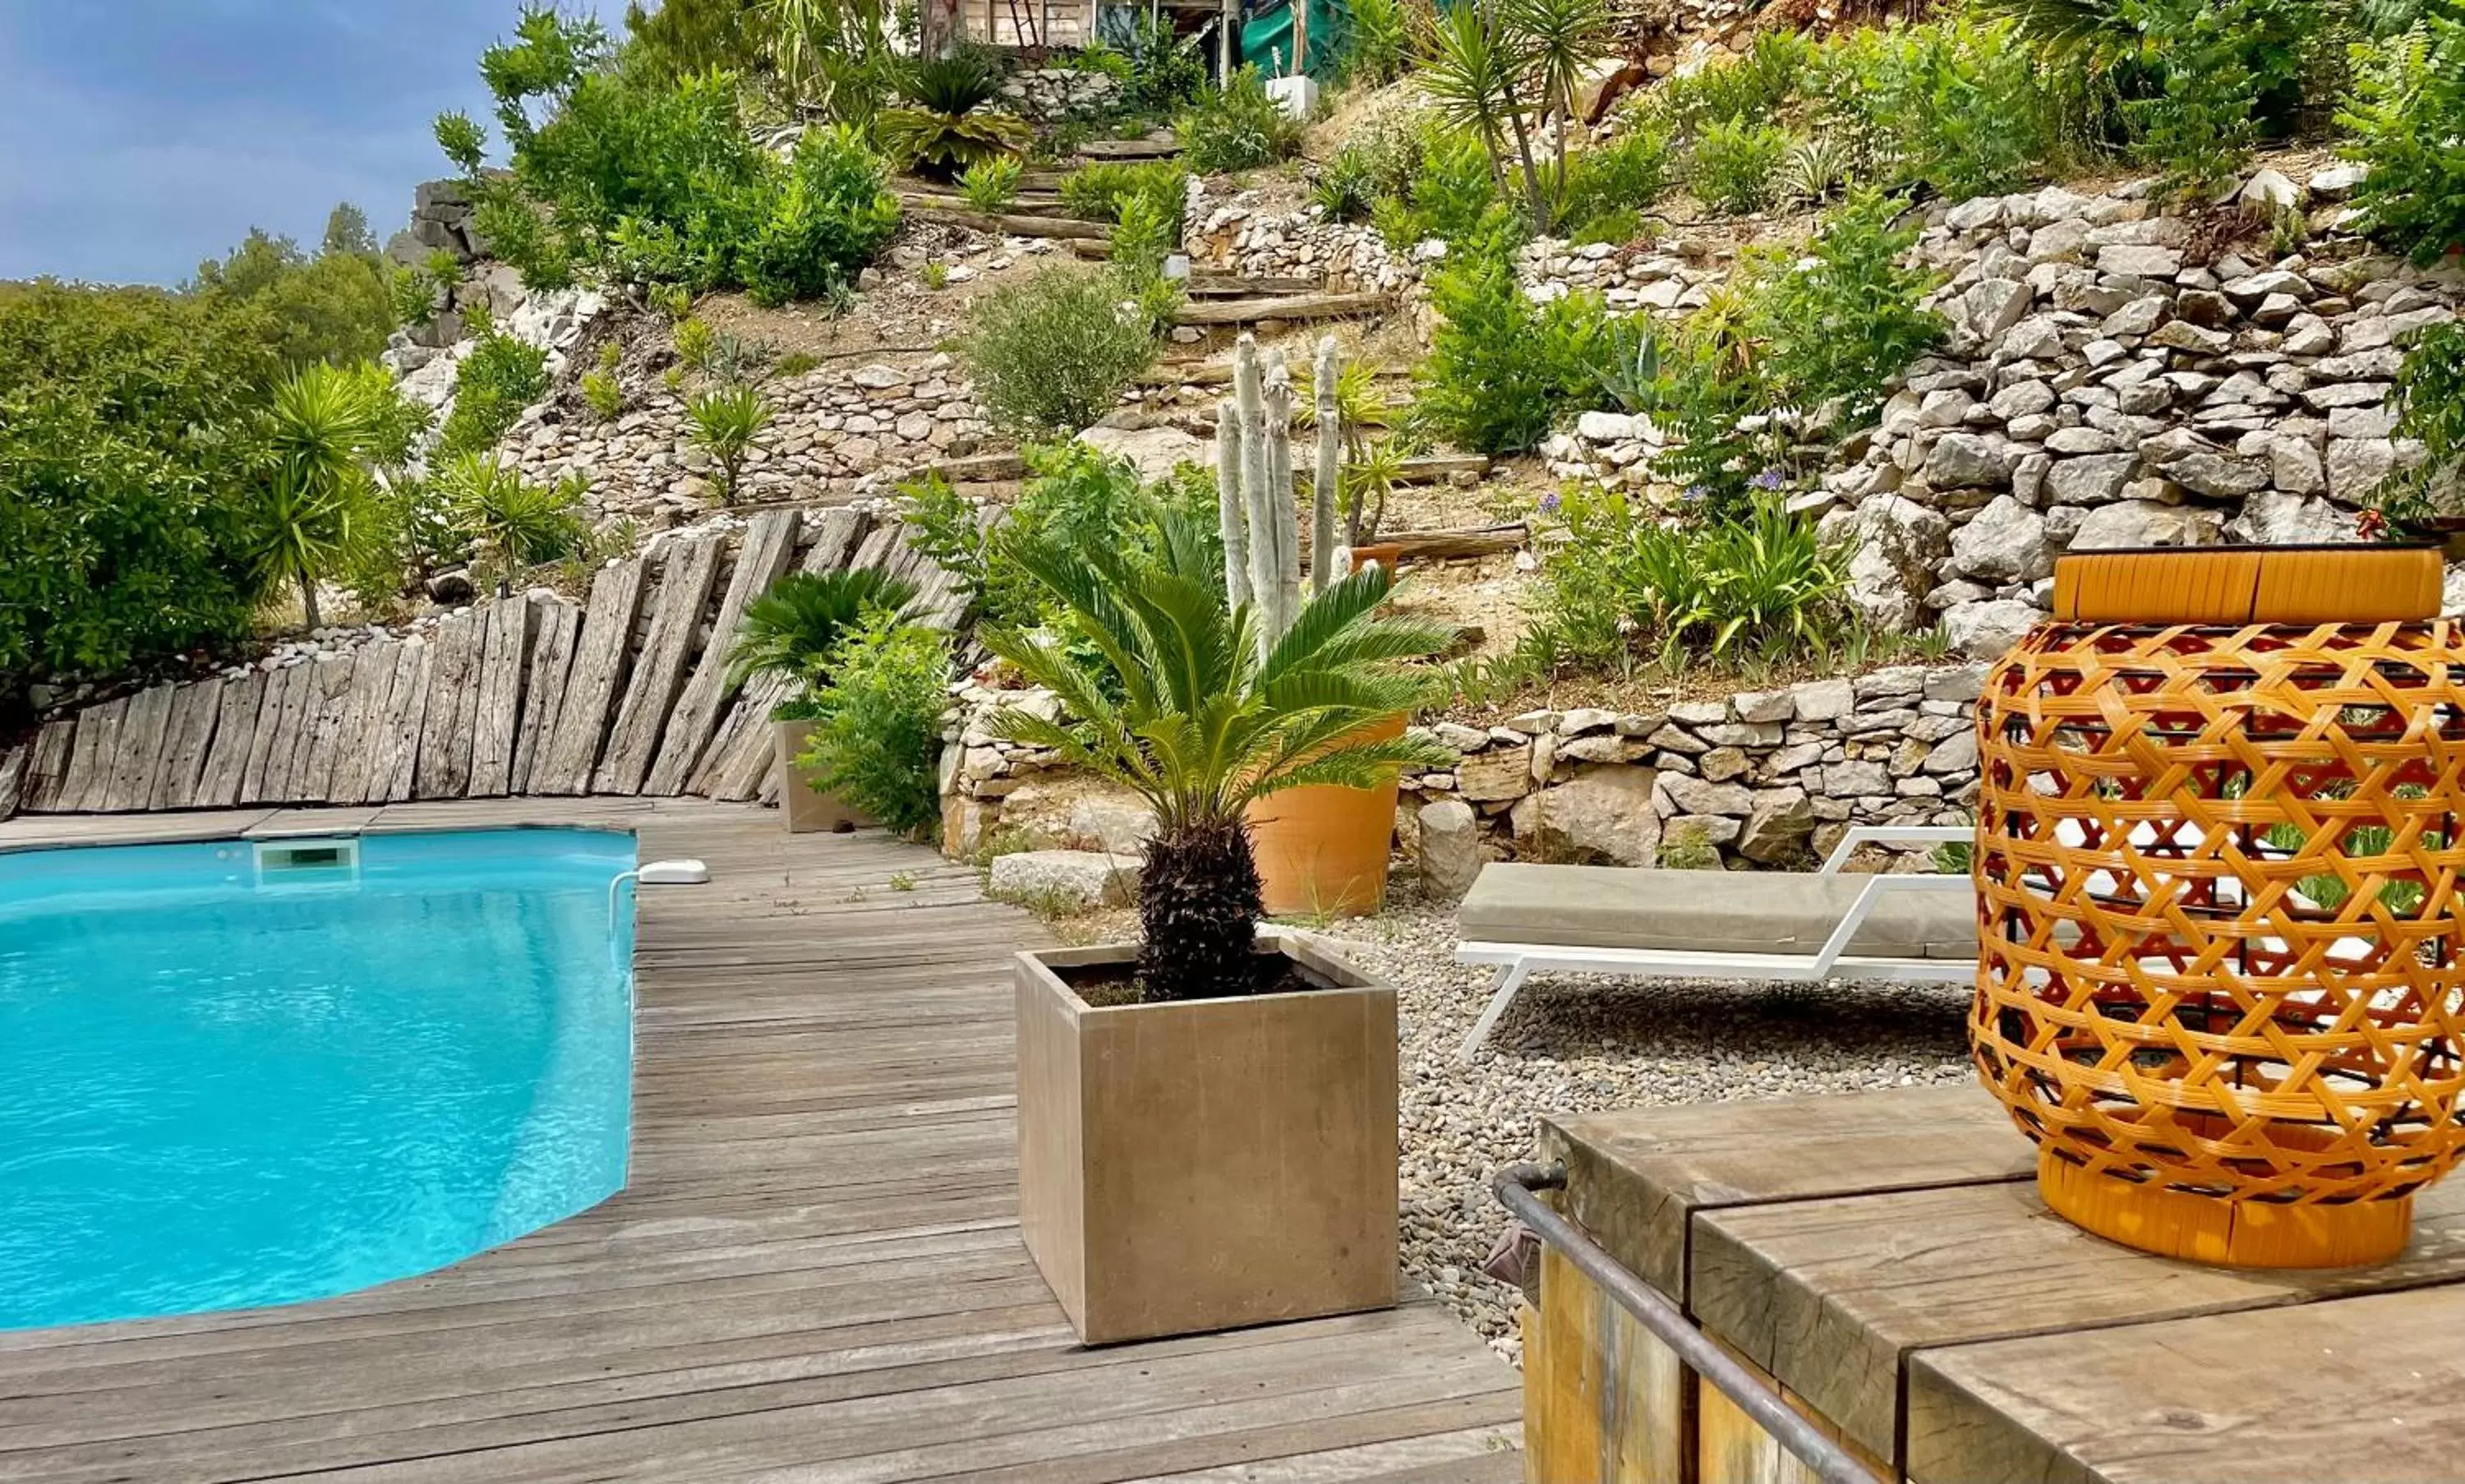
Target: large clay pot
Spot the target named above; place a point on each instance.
(805, 809)
(2217, 838)
(1206, 1163)
(1321, 851)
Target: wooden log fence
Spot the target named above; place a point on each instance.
(627, 692)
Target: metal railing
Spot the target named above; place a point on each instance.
(1515, 1188)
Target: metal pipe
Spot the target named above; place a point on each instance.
(1515, 1188)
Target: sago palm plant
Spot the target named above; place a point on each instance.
(1175, 700)
(790, 630)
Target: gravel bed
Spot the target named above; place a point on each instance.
(1585, 1043)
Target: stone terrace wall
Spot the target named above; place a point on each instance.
(1759, 779)
(627, 693)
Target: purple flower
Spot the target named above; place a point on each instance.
(1768, 480)
(1697, 490)
(1549, 503)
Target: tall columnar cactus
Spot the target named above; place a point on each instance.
(1256, 499)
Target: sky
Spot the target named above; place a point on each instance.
(139, 138)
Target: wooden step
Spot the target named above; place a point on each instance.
(1300, 306)
(1013, 226)
(1160, 145)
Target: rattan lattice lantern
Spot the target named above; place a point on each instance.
(2220, 971)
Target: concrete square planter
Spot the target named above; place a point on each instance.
(806, 809)
(1208, 1163)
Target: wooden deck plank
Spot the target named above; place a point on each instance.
(394, 767)
(236, 720)
(686, 582)
(2354, 1390)
(444, 770)
(185, 743)
(814, 1271)
(769, 542)
(363, 719)
(141, 750)
(12, 779)
(504, 663)
(596, 680)
(277, 733)
(98, 747)
(321, 731)
(47, 769)
(558, 624)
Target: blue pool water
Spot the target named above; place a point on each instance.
(216, 1093)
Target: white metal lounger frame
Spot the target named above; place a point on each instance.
(1518, 961)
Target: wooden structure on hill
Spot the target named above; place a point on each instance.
(626, 693)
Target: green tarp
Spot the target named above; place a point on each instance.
(1266, 37)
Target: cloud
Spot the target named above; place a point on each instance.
(145, 136)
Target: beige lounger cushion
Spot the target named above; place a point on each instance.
(1710, 912)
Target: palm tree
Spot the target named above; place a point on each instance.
(1558, 40)
(1473, 71)
(726, 423)
(791, 628)
(317, 494)
(1175, 701)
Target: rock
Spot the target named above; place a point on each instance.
(1695, 796)
(1602, 814)
(2137, 262)
(1897, 543)
(1065, 879)
(2273, 517)
(1155, 451)
(2269, 191)
(1993, 305)
(879, 376)
(1495, 776)
(2090, 480)
(1450, 848)
(1824, 701)
(450, 586)
(2145, 523)
(1116, 825)
(1954, 754)
(1855, 779)
(1777, 827)
(1981, 631)
(1968, 460)
(2338, 181)
(2004, 542)
(2217, 475)
(1606, 426)
(2356, 466)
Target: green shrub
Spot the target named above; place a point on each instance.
(877, 738)
(1746, 89)
(2410, 93)
(2215, 62)
(1237, 127)
(1629, 581)
(1051, 354)
(1840, 322)
(1377, 43)
(1735, 167)
(726, 423)
(1622, 178)
(657, 179)
(1097, 193)
(1451, 196)
(992, 186)
(1501, 368)
(499, 378)
(834, 213)
(1147, 233)
(2431, 407)
(604, 395)
(1959, 106)
(1166, 71)
(512, 523)
(337, 306)
(946, 125)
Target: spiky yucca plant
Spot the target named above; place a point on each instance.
(1175, 701)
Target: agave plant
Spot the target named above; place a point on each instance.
(1176, 702)
(944, 127)
(791, 628)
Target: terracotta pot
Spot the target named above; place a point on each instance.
(1384, 553)
(805, 809)
(1207, 1163)
(1322, 850)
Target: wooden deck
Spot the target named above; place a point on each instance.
(814, 1274)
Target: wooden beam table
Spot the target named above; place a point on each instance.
(1884, 1261)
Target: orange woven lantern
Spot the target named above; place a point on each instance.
(2220, 971)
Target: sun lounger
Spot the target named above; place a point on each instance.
(1736, 925)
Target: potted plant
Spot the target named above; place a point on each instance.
(790, 633)
(1206, 1117)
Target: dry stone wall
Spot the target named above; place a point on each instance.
(1760, 779)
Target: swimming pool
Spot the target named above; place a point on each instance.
(229, 1080)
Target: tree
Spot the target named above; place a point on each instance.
(1175, 700)
(336, 307)
(347, 233)
(319, 486)
(680, 39)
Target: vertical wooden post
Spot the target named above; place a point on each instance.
(1227, 43)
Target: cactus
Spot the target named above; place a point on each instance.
(1256, 502)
